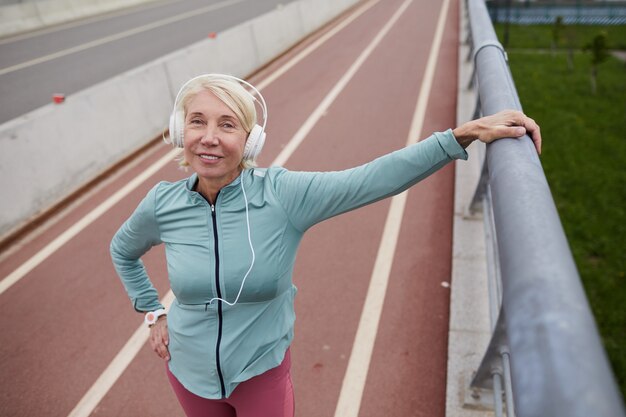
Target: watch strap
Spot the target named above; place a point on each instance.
(151, 317)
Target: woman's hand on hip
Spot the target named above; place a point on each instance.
(505, 124)
(159, 338)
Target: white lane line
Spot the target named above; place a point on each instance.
(87, 20)
(77, 227)
(120, 35)
(338, 88)
(116, 367)
(307, 51)
(353, 384)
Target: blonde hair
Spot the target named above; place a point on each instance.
(231, 93)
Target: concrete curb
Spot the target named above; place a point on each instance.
(470, 328)
(52, 151)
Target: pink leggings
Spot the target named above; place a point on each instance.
(268, 394)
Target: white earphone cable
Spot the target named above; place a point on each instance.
(245, 197)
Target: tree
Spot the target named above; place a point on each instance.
(599, 48)
(570, 41)
(557, 33)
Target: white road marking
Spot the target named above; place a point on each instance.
(116, 368)
(338, 88)
(86, 20)
(307, 51)
(353, 384)
(118, 36)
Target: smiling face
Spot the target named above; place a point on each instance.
(214, 140)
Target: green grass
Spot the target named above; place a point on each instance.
(576, 36)
(584, 158)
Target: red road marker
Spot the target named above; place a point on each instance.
(58, 98)
(212, 35)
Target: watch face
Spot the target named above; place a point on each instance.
(150, 317)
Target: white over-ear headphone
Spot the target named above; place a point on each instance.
(256, 137)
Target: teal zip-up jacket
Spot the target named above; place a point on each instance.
(214, 346)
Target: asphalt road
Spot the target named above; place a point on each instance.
(71, 57)
(69, 332)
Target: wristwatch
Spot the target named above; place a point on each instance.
(153, 316)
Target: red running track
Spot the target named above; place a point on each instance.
(65, 321)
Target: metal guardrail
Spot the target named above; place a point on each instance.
(545, 357)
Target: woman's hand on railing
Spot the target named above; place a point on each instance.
(505, 124)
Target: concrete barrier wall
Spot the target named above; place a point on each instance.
(50, 152)
(16, 18)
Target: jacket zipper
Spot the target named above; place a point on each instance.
(219, 303)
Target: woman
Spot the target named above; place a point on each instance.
(231, 232)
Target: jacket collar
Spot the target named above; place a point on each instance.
(191, 182)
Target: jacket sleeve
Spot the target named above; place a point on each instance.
(310, 197)
(133, 239)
